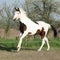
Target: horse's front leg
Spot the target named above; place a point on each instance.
(20, 41)
(20, 34)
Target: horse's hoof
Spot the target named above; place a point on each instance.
(39, 50)
(18, 49)
(48, 49)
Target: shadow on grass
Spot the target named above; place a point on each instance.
(27, 48)
(14, 48)
(7, 48)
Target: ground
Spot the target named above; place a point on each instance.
(30, 55)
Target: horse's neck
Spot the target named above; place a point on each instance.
(26, 20)
(20, 23)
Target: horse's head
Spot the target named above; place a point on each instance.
(16, 14)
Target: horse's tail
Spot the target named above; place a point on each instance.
(55, 31)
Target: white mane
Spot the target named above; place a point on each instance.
(22, 12)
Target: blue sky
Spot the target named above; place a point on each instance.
(56, 0)
(10, 2)
(21, 1)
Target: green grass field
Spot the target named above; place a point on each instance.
(28, 43)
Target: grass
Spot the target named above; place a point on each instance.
(28, 43)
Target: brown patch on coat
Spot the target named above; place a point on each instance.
(35, 22)
(40, 32)
(29, 33)
(22, 27)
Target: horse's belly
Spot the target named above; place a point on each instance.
(33, 30)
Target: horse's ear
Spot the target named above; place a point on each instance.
(15, 8)
(19, 10)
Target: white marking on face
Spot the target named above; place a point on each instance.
(16, 15)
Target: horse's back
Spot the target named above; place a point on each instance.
(43, 24)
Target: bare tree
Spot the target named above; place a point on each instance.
(38, 13)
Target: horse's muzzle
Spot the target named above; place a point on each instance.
(14, 19)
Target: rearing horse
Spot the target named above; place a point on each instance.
(32, 28)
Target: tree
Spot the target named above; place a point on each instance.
(36, 12)
(7, 19)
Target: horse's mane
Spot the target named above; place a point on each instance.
(23, 12)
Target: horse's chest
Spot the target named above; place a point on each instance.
(22, 27)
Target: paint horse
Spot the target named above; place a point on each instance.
(29, 27)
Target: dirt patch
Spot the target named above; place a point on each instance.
(12, 33)
(30, 55)
(2, 32)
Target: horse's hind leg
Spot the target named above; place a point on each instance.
(43, 42)
(46, 39)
